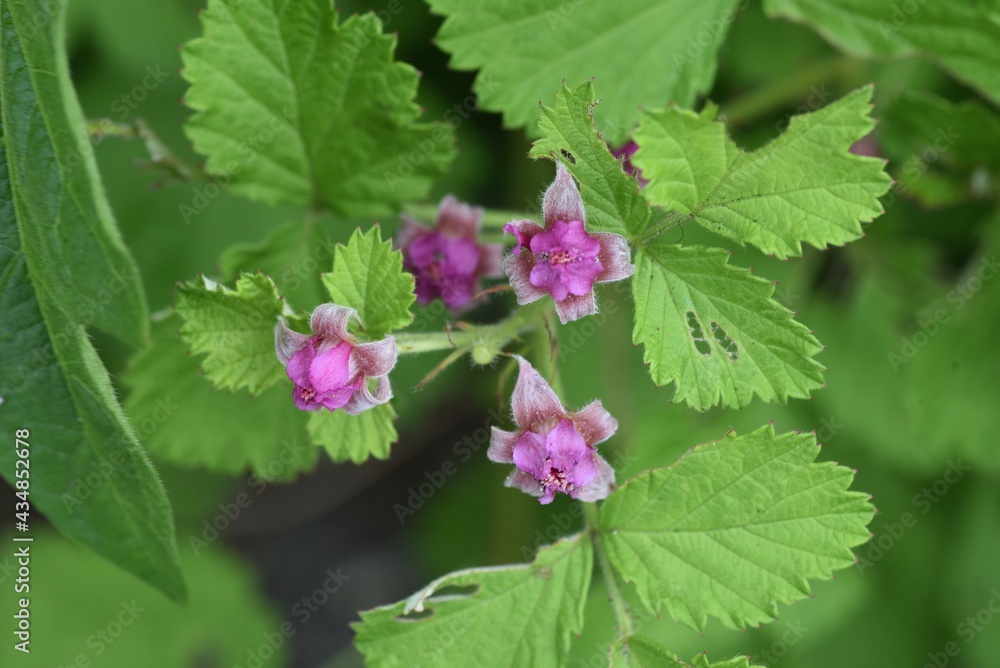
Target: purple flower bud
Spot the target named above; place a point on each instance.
(448, 261)
(331, 369)
(564, 261)
(552, 450)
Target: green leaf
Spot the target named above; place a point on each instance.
(643, 52)
(714, 330)
(295, 108)
(734, 527)
(961, 36)
(236, 330)
(803, 186)
(354, 437)
(368, 276)
(611, 197)
(639, 652)
(505, 616)
(184, 420)
(58, 252)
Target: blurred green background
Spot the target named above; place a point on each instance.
(909, 315)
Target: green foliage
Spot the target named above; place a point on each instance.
(368, 276)
(734, 527)
(715, 331)
(502, 616)
(235, 328)
(962, 36)
(354, 437)
(184, 420)
(293, 107)
(60, 252)
(803, 187)
(639, 652)
(646, 52)
(611, 197)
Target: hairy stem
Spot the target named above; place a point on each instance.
(492, 337)
(618, 603)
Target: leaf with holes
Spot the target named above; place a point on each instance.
(236, 330)
(292, 107)
(962, 36)
(805, 186)
(354, 437)
(611, 197)
(715, 332)
(503, 616)
(643, 52)
(734, 527)
(368, 276)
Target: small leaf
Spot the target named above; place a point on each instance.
(611, 197)
(715, 332)
(805, 186)
(354, 437)
(368, 276)
(639, 652)
(294, 108)
(235, 328)
(504, 616)
(734, 527)
(640, 52)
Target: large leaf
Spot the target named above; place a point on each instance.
(805, 186)
(354, 437)
(293, 107)
(611, 197)
(714, 330)
(640, 652)
(734, 527)
(641, 52)
(58, 252)
(962, 36)
(507, 616)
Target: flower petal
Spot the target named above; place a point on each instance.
(524, 482)
(458, 218)
(364, 398)
(502, 446)
(298, 366)
(490, 260)
(331, 320)
(575, 307)
(330, 370)
(594, 423)
(287, 342)
(562, 200)
(376, 358)
(530, 454)
(518, 270)
(601, 486)
(409, 229)
(615, 256)
(523, 230)
(533, 400)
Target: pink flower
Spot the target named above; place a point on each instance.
(448, 261)
(552, 450)
(331, 369)
(565, 260)
(625, 155)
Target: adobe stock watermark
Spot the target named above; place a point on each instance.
(966, 630)
(302, 611)
(901, 14)
(916, 166)
(793, 633)
(100, 640)
(928, 328)
(893, 532)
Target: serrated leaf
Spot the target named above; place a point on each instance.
(611, 197)
(643, 52)
(354, 437)
(368, 276)
(184, 420)
(805, 186)
(236, 330)
(293, 107)
(639, 652)
(734, 528)
(59, 254)
(513, 616)
(962, 36)
(715, 332)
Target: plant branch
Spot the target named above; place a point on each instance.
(492, 337)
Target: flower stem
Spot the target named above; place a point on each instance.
(492, 337)
(493, 219)
(618, 603)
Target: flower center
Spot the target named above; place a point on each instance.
(556, 478)
(559, 257)
(307, 393)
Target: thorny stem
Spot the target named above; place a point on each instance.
(618, 603)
